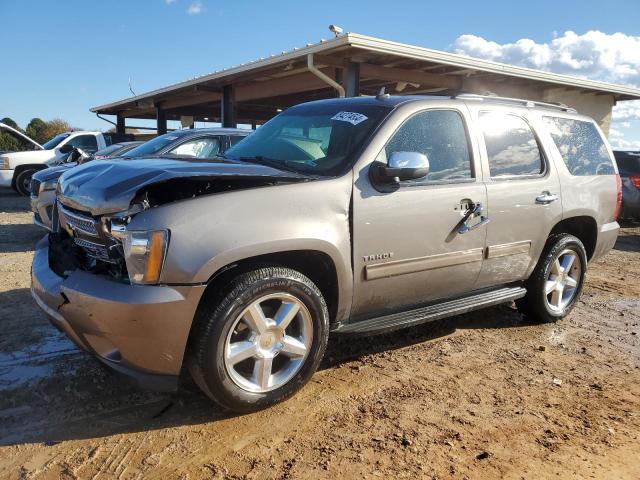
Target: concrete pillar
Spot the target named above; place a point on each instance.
(161, 119)
(228, 107)
(120, 124)
(352, 80)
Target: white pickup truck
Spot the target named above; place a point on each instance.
(16, 168)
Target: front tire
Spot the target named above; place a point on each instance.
(261, 340)
(23, 182)
(556, 283)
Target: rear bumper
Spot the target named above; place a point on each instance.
(6, 177)
(140, 331)
(607, 236)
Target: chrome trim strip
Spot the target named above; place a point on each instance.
(412, 265)
(505, 249)
(79, 221)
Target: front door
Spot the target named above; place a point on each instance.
(407, 246)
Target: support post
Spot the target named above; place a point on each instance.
(161, 118)
(120, 124)
(228, 107)
(352, 80)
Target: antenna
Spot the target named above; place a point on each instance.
(130, 87)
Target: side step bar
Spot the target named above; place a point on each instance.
(409, 318)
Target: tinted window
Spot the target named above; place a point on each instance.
(512, 148)
(628, 162)
(234, 139)
(204, 147)
(581, 146)
(53, 143)
(109, 150)
(441, 136)
(85, 142)
(153, 146)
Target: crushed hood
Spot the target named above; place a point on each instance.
(109, 186)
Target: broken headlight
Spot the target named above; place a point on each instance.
(144, 254)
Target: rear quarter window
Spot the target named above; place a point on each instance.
(581, 146)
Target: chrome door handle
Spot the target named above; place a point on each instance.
(472, 212)
(546, 198)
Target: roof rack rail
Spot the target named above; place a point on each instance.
(517, 101)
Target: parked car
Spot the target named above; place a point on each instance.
(355, 215)
(44, 182)
(17, 168)
(629, 168)
(197, 143)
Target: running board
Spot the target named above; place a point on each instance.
(409, 318)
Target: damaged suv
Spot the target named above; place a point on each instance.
(352, 216)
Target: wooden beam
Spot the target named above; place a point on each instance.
(368, 70)
(190, 100)
(282, 86)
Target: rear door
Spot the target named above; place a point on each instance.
(523, 193)
(406, 247)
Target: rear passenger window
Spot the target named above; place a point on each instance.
(512, 147)
(441, 136)
(581, 146)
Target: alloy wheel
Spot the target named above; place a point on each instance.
(268, 342)
(563, 280)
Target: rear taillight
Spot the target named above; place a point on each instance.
(618, 199)
(635, 181)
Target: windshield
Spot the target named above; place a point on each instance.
(318, 138)
(153, 146)
(109, 150)
(55, 141)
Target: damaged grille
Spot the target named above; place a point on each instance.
(94, 250)
(87, 234)
(76, 222)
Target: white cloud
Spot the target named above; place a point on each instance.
(596, 55)
(195, 8)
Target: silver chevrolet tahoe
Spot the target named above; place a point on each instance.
(347, 216)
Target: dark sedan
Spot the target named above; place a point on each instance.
(629, 168)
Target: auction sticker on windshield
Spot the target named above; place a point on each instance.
(352, 117)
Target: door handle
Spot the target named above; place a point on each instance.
(546, 198)
(472, 212)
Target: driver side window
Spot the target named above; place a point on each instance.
(206, 147)
(442, 137)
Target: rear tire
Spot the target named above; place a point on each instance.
(23, 182)
(260, 340)
(556, 283)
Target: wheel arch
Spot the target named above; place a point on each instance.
(318, 266)
(21, 168)
(584, 227)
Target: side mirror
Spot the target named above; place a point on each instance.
(66, 148)
(402, 166)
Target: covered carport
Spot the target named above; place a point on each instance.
(349, 65)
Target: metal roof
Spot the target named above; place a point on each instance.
(377, 56)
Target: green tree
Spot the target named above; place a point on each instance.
(36, 130)
(8, 142)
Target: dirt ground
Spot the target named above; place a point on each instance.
(482, 395)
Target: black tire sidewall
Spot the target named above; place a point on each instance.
(20, 178)
(556, 247)
(217, 380)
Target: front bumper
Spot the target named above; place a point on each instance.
(6, 177)
(140, 331)
(607, 236)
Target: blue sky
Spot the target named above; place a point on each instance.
(60, 58)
